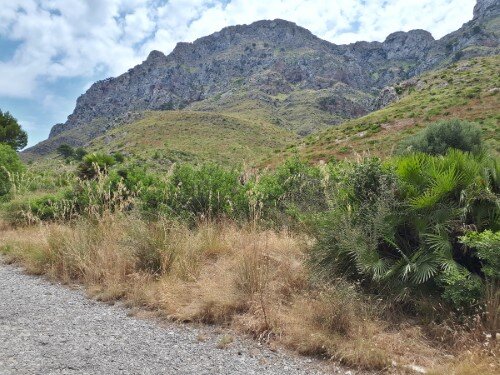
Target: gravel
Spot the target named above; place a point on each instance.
(47, 328)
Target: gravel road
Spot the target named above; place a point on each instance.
(47, 328)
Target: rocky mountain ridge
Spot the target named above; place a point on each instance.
(277, 66)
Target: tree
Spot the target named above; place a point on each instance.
(66, 151)
(11, 132)
(80, 153)
(440, 136)
(9, 163)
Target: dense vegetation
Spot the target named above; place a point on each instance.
(10, 167)
(417, 231)
(11, 132)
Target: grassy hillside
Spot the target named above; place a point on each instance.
(302, 111)
(468, 90)
(170, 136)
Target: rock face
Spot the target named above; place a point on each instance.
(267, 59)
(485, 8)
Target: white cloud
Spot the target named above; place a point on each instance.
(82, 38)
(17, 81)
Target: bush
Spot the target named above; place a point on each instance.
(440, 136)
(293, 188)
(366, 180)
(47, 207)
(353, 236)
(9, 164)
(119, 157)
(80, 153)
(70, 153)
(208, 191)
(398, 227)
(94, 164)
(66, 151)
(487, 247)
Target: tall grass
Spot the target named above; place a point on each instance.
(255, 281)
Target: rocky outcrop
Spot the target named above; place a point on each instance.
(486, 8)
(387, 95)
(277, 57)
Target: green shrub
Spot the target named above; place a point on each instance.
(462, 288)
(80, 153)
(294, 185)
(440, 136)
(487, 247)
(119, 157)
(353, 235)
(398, 227)
(365, 180)
(207, 191)
(33, 209)
(9, 164)
(94, 164)
(104, 193)
(66, 151)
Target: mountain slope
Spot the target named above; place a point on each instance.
(275, 72)
(468, 89)
(170, 136)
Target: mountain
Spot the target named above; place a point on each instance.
(272, 73)
(468, 89)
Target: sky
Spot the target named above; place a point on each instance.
(51, 51)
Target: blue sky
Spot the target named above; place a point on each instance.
(51, 51)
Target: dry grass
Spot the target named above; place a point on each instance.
(484, 362)
(253, 281)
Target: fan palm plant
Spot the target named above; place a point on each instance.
(407, 238)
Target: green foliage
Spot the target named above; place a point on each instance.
(94, 164)
(11, 132)
(119, 157)
(398, 226)
(487, 245)
(367, 179)
(46, 207)
(66, 151)
(440, 136)
(10, 164)
(70, 153)
(208, 191)
(80, 153)
(293, 185)
(463, 289)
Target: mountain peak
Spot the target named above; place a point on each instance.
(277, 29)
(417, 34)
(155, 54)
(259, 62)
